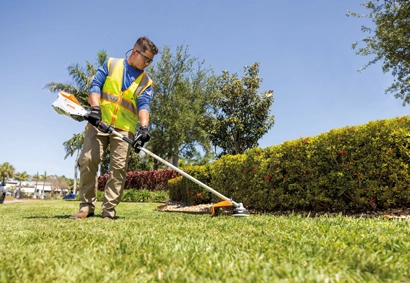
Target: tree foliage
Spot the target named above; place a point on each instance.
(36, 178)
(21, 176)
(181, 91)
(74, 145)
(80, 88)
(81, 78)
(389, 42)
(197, 160)
(58, 183)
(6, 171)
(44, 178)
(239, 116)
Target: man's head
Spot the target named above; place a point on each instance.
(143, 53)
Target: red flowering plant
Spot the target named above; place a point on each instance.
(153, 180)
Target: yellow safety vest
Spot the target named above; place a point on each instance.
(119, 108)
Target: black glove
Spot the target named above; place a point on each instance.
(141, 138)
(94, 117)
(105, 128)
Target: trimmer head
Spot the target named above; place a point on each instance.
(240, 211)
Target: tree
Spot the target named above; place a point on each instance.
(23, 176)
(36, 177)
(136, 162)
(239, 116)
(44, 178)
(80, 88)
(6, 171)
(197, 160)
(81, 77)
(74, 145)
(70, 183)
(58, 182)
(389, 42)
(182, 86)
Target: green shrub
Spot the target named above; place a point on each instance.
(229, 176)
(136, 196)
(159, 196)
(360, 167)
(185, 190)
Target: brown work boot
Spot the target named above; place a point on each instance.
(81, 215)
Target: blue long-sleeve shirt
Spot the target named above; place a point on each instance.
(130, 75)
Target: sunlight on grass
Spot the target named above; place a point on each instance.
(40, 244)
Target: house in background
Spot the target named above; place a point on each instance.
(29, 188)
(11, 185)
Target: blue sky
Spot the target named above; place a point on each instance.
(304, 48)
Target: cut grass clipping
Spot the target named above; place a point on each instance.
(40, 244)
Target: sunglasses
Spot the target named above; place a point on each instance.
(146, 59)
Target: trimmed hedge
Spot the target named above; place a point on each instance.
(360, 167)
(184, 190)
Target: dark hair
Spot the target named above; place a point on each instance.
(144, 43)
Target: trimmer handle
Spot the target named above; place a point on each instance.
(128, 140)
(105, 128)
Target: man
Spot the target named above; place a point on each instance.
(120, 95)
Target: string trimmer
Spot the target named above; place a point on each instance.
(67, 104)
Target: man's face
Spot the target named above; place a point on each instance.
(140, 59)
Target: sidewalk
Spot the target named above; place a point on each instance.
(11, 200)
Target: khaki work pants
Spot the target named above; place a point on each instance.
(95, 143)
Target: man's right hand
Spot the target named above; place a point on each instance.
(141, 138)
(94, 117)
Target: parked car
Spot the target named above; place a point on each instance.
(3, 192)
(70, 197)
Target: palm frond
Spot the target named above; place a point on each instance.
(102, 56)
(57, 87)
(80, 87)
(79, 76)
(74, 144)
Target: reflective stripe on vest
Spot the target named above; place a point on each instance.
(119, 108)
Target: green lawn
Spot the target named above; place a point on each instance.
(40, 244)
